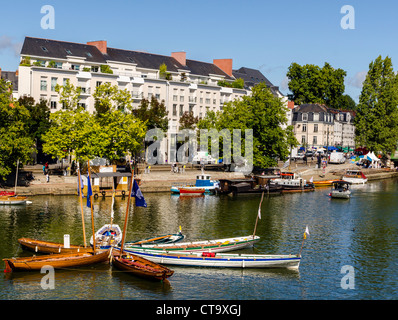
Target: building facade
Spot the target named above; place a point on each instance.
(318, 126)
(189, 86)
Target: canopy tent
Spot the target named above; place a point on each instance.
(331, 148)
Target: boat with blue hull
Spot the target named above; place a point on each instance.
(203, 181)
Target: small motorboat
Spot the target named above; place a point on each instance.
(340, 190)
(109, 235)
(355, 177)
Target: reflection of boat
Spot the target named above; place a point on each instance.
(355, 177)
(141, 267)
(291, 182)
(217, 245)
(223, 260)
(55, 260)
(341, 189)
(203, 181)
(107, 236)
(13, 200)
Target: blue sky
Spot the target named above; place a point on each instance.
(265, 35)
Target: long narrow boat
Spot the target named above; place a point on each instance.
(185, 191)
(50, 247)
(221, 260)
(13, 200)
(141, 267)
(163, 239)
(57, 261)
(217, 245)
(324, 183)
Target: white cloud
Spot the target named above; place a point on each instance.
(6, 43)
(357, 80)
(284, 84)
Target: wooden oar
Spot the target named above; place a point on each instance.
(153, 239)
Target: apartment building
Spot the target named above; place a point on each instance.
(190, 85)
(318, 126)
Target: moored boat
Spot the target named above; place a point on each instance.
(355, 177)
(13, 200)
(191, 191)
(340, 190)
(51, 247)
(217, 245)
(324, 183)
(107, 236)
(221, 260)
(55, 260)
(141, 267)
(292, 182)
(203, 181)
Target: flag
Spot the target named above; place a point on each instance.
(89, 191)
(259, 213)
(286, 164)
(306, 232)
(312, 179)
(139, 198)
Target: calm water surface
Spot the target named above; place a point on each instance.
(361, 232)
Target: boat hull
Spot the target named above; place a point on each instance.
(13, 200)
(141, 267)
(51, 247)
(55, 260)
(340, 194)
(218, 245)
(355, 180)
(221, 260)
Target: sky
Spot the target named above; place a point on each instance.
(264, 35)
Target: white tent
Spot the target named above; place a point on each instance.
(372, 156)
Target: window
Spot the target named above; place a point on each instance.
(175, 98)
(75, 67)
(181, 109)
(68, 51)
(88, 54)
(43, 85)
(174, 110)
(98, 83)
(64, 81)
(314, 140)
(302, 139)
(304, 127)
(53, 104)
(53, 83)
(44, 49)
(58, 65)
(181, 98)
(315, 127)
(94, 69)
(305, 117)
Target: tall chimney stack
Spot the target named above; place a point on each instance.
(225, 65)
(101, 45)
(180, 56)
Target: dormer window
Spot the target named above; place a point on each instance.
(305, 116)
(89, 54)
(68, 52)
(44, 49)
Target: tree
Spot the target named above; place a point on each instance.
(265, 115)
(154, 113)
(376, 120)
(69, 95)
(188, 121)
(312, 84)
(345, 102)
(15, 143)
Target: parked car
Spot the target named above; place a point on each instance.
(309, 154)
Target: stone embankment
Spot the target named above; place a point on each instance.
(160, 179)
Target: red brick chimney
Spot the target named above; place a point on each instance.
(101, 45)
(180, 56)
(225, 65)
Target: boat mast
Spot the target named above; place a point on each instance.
(16, 178)
(81, 202)
(258, 215)
(91, 205)
(127, 212)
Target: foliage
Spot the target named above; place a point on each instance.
(262, 112)
(106, 69)
(163, 74)
(15, 144)
(51, 64)
(188, 121)
(312, 84)
(345, 102)
(108, 97)
(25, 62)
(86, 69)
(153, 113)
(69, 95)
(376, 120)
(238, 83)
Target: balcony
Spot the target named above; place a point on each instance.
(192, 100)
(137, 95)
(85, 91)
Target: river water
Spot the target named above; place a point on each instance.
(351, 252)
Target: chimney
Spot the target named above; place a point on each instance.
(101, 45)
(180, 56)
(0, 73)
(225, 65)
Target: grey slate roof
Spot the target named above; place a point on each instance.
(253, 77)
(61, 49)
(12, 77)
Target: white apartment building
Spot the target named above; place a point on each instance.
(191, 85)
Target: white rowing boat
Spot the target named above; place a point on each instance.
(216, 245)
(221, 260)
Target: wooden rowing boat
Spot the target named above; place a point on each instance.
(325, 183)
(57, 261)
(217, 245)
(141, 267)
(221, 260)
(50, 247)
(191, 191)
(13, 200)
(107, 236)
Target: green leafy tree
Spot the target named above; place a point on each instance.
(312, 84)
(188, 120)
(345, 102)
(153, 113)
(265, 115)
(376, 120)
(69, 95)
(15, 143)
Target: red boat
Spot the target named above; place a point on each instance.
(7, 193)
(192, 190)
